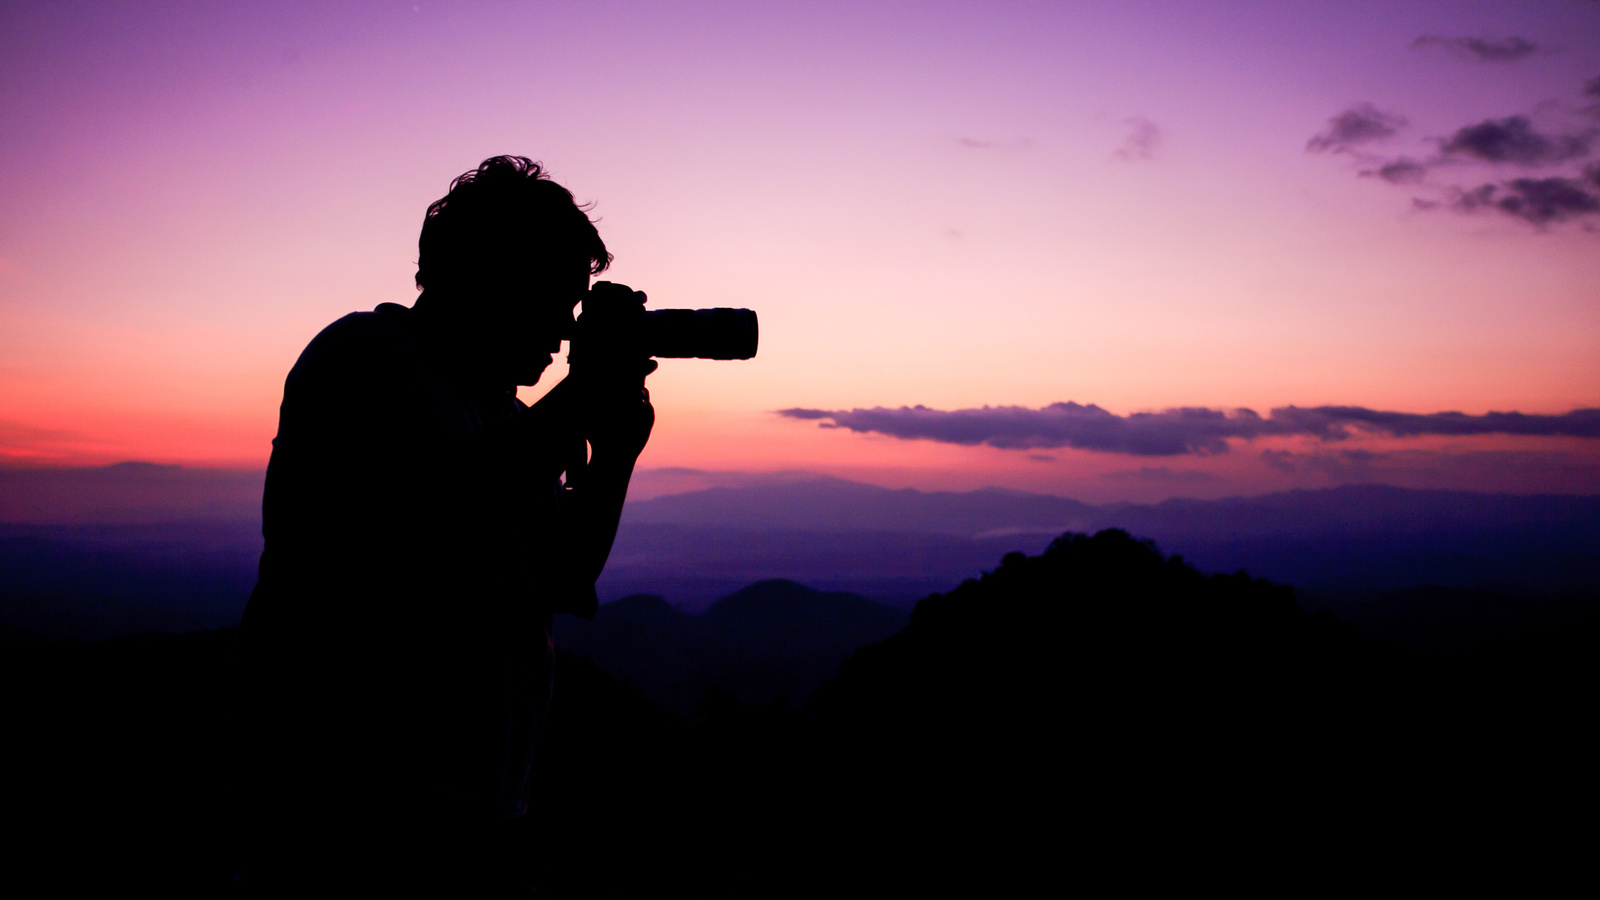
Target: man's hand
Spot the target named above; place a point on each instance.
(609, 369)
(617, 417)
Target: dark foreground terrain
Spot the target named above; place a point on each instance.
(1096, 715)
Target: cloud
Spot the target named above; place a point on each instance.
(1282, 460)
(1591, 88)
(1168, 433)
(1175, 432)
(1341, 465)
(1404, 170)
(1568, 194)
(1514, 140)
(1331, 422)
(1536, 200)
(1520, 470)
(972, 143)
(21, 441)
(648, 484)
(1161, 475)
(1507, 49)
(1144, 138)
(1542, 200)
(1357, 125)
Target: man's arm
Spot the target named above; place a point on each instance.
(611, 418)
(616, 428)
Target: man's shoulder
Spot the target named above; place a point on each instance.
(388, 323)
(360, 342)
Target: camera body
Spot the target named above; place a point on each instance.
(616, 325)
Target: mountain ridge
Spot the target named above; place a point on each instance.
(873, 508)
(768, 640)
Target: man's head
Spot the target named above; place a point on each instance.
(506, 254)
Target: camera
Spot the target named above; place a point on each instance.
(616, 324)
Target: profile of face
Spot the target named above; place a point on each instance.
(527, 305)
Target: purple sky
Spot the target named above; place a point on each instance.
(1139, 206)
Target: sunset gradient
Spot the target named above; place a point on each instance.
(1141, 206)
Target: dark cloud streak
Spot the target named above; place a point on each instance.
(1357, 125)
(1539, 201)
(1508, 49)
(1332, 422)
(1514, 140)
(1162, 475)
(1404, 170)
(1175, 432)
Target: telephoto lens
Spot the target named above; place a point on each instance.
(720, 333)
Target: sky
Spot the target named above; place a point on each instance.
(1046, 246)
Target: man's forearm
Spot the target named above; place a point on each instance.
(614, 419)
(594, 509)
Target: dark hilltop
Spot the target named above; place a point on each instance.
(1073, 715)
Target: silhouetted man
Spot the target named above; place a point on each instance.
(394, 659)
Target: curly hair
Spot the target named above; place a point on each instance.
(506, 200)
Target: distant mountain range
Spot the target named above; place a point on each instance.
(136, 547)
(833, 505)
(128, 493)
(899, 545)
(828, 504)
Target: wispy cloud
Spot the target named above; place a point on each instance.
(1141, 142)
(1174, 432)
(1161, 475)
(1540, 470)
(1404, 170)
(21, 441)
(1490, 146)
(1507, 49)
(1333, 422)
(1360, 124)
(1536, 200)
(972, 143)
(1515, 140)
